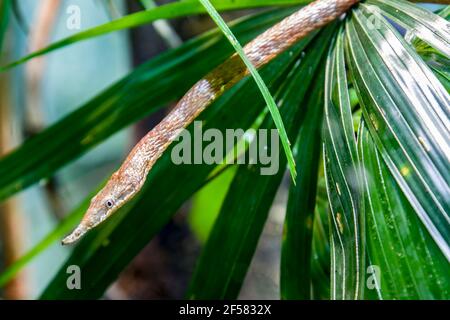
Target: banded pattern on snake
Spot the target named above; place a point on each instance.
(128, 180)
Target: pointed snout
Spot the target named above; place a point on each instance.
(76, 234)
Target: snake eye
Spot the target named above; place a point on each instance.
(109, 203)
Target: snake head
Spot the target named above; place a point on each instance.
(114, 195)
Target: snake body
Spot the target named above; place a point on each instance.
(128, 180)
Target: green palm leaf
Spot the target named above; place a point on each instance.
(407, 114)
(410, 264)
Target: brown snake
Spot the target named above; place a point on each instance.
(126, 182)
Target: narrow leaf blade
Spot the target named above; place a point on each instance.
(259, 81)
